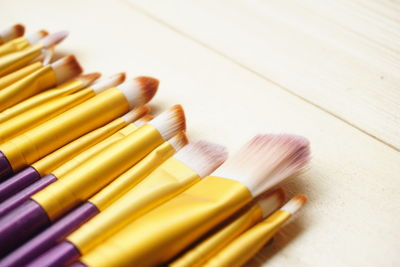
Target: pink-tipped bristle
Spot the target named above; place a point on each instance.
(265, 161)
(201, 156)
(53, 39)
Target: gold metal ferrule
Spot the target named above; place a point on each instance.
(54, 160)
(19, 74)
(220, 238)
(15, 45)
(17, 60)
(132, 177)
(32, 145)
(159, 235)
(92, 175)
(44, 112)
(27, 86)
(168, 180)
(249, 243)
(64, 89)
(62, 170)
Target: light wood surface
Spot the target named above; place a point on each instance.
(244, 67)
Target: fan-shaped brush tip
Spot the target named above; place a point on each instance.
(89, 78)
(66, 68)
(170, 122)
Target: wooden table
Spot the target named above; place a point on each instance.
(328, 70)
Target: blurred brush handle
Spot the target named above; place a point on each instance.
(19, 198)
(5, 167)
(50, 236)
(21, 224)
(63, 254)
(18, 182)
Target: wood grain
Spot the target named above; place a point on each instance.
(324, 52)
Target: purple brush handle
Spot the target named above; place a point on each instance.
(50, 236)
(78, 264)
(19, 198)
(18, 182)
(20, 224)
(5, 167)
(63, 254)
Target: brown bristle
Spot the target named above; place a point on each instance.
(43, 33)
(182, 138)
(149, 86)
(180, 114)
(147, 117)
(66, 68)
(89, 78)
(19, 30)
(301, 199)
(120, 77)
(74, 64)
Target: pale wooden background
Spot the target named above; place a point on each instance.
(328, 70)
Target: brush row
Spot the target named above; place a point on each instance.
(89, 178)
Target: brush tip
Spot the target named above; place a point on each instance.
(53, 39)
(149, 86)
(170, 122)
(201, 156)
(12, 32)
(109, 82)
(269, 202)
(295, 204)
(89, 78)
(143, 120)
(136, 114)
(19, 30)
(178, 141)
(66, 68)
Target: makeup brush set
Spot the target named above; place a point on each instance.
(89, 178)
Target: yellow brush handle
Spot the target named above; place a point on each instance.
(15, 45)
(17, 60)
(161, 234)
(19, 74)
(27, 148)
(249, 243)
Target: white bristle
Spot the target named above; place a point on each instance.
(135, 114)
(143, 120)
(12, 32)
(87, 79)
(108, 82)
(139, 91)
(53, 39)
(170, 122)
(265, 161)
(293, 205)
(202, 157)
(66, 68)
(271, 202)
(33, 38)
(178, 141)
(48, 55)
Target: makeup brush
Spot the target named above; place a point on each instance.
(159, 235)
(14, 76)
(99, 202)
(12, 32)
(17, 60)
(22, 42)
(226, 233)
(63, 89)
(51, 162)
(18, 152)
(52, 167)
(80, 183)
(185, 168)
(44, 78)
(37, 115)
(243, 248)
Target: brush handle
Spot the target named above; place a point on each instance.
(63, 254)
(19, 198)
(20, 224)
(5, 167)
(50, 236)
(18, 182)
(78, 264)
